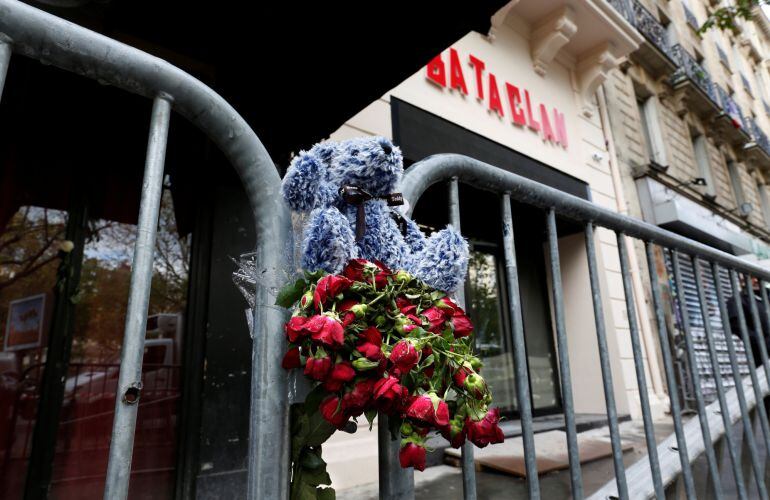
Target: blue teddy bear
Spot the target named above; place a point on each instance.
(348, 188)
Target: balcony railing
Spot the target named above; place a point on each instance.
(731, 109)
(625, 8)
(690, 69)
(651, 28)
(759, 136)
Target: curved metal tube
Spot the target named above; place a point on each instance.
(60, 43)
(421, 175)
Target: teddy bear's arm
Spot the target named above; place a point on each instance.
(443, 261)
(305, 186)
(329, 241)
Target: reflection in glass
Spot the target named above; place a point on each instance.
(29, 245)
(84, 431)
(486, 308)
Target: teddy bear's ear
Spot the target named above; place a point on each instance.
(305, 185)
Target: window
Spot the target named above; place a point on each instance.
(653, 137)
(690, 17)
(700, 146)
(765, 201)
(735, 180)
(723, 57)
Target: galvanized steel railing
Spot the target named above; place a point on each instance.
(649, 479)
(33, 33)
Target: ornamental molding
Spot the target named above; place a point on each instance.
(550, 35)
(592, 70)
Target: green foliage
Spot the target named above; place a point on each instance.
(724, 18)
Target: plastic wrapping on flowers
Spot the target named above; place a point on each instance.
(375, 340)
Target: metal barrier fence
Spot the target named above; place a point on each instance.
(33, 33)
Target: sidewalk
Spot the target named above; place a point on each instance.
(445, 482)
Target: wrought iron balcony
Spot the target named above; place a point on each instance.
(731, 123)
(655, 55)
(760, 140)
(625, 8)
(693, 79)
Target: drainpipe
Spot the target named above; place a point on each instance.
(636, 279)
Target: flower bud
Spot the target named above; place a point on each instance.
(306, 300)
(380, 320)
(363, 364)
(402, 277)
(475, 384)
(359, 310)
(476, 364)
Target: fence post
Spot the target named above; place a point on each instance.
(130, 379)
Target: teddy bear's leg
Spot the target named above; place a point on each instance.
(444, 261)
(329, 241)
(305, 185)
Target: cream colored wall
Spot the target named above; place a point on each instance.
(508, 57)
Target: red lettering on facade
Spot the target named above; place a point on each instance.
(494, 96)
(456, 78)
(436, 71)
(514, 99)
(552, 126)
(531, 122)
(561, 129)
(548, 134)
(478, 67)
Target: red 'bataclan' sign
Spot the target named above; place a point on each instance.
(521, 111)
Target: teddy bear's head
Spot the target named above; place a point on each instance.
(373, 164)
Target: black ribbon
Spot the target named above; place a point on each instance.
(357, 196)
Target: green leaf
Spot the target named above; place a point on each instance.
(326, 494)
(314, 398)
(370, 415)
(319, 430)
(291, 293)
(311, 460)
(315, 478)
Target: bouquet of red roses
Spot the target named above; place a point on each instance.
(375, 340)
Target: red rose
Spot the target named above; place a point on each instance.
(389, 394)
(450, 308)
(370, 343)
(357, 400)
(405, 306)
(326, 330)
(348, 316)
(340, 373)
(404, 357)
(291, 359)
(329, 287)
(294, 328)
(317, 367)
(412, 455)
(436, 318)
(485, 431)
(332, 412)
(462, 325)
(454, 433)
(361, 270)
(429, 409)
(460, 376)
